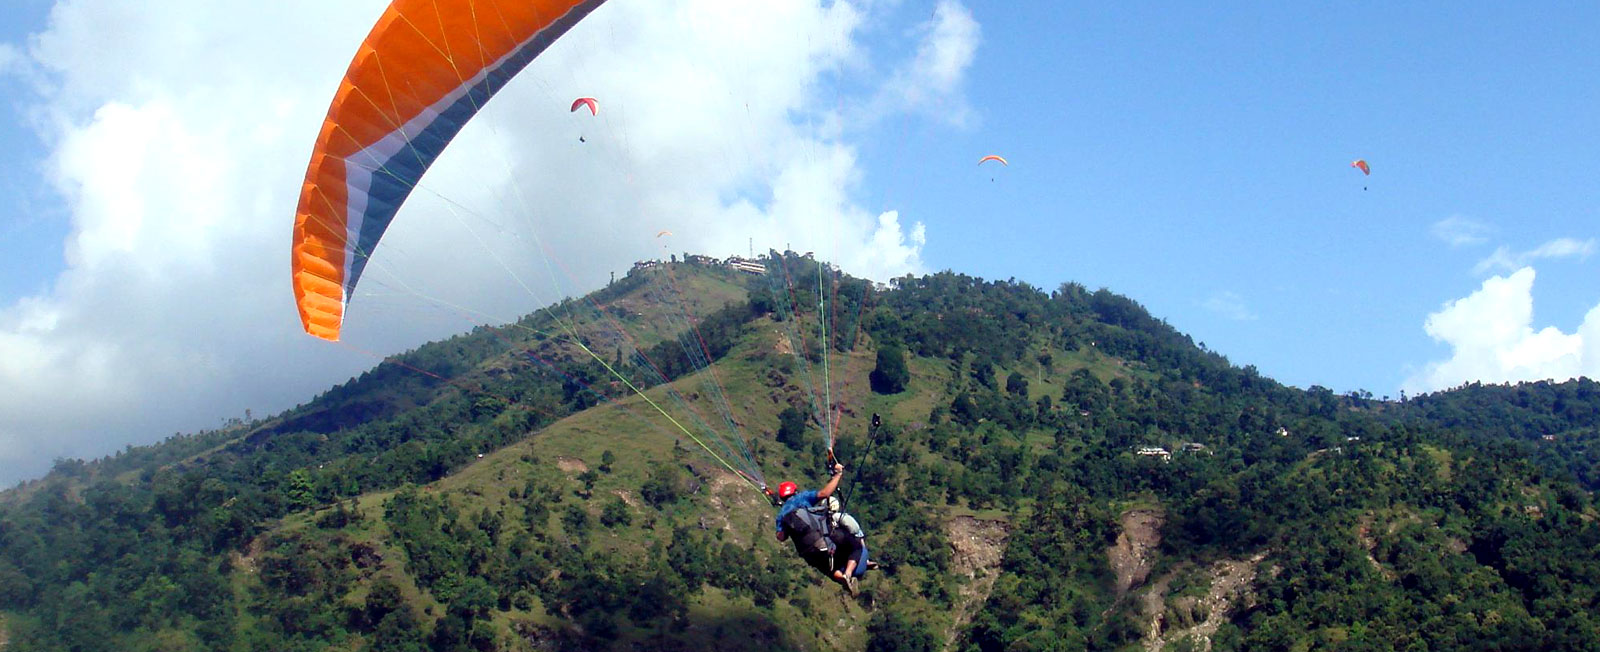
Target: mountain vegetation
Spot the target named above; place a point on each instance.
(1054, 471)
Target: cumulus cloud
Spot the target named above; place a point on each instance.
(1492, 339)
(1229, 305)
(1458, 231)
(930, 83)
(1504, 259)
(179, 132)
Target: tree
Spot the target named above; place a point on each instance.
(963, 410)
(576, 520)
(475, 598)
(588, 479)
(792, 428)
(1016, 385)
(891, 375)
(384, 598)
(664, 486)
(615, 513)
(16, 590)
(893, 631)
(298, 491)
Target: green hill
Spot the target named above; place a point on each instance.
(1059, 470)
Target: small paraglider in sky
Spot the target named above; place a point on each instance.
(1361, 164)
(594, 110)
(663, 233)
(993, 157)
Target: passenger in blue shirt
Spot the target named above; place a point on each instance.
(827, 539)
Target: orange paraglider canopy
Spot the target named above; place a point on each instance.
(594, 109)
(381, 135)
(993, 157)
(1361, 164)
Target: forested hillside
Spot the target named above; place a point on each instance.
(1055, 471)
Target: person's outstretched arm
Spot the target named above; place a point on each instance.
(833, 482)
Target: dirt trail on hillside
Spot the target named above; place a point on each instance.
(977, 546)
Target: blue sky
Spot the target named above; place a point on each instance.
(28, 221)
(1195, 159)
(1180, 154)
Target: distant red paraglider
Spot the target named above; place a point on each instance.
(1361, 164)
(594, 109)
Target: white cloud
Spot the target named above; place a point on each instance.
(1229, 305)
(1563, 248)
(1504, 259)
(1492, 339)
(179, 132)
(930, 83)
(1460, 231)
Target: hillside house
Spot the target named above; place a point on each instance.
(745, 265)
(1154, 451)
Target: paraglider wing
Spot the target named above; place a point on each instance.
(1361, 164)
(422, 73)
(992, 157)
(663, 233)
(594, 109)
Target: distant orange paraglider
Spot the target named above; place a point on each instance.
(1361, 164)
(663, 233)
(993, 157)
(594, 108)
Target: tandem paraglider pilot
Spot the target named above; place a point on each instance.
(828, 539)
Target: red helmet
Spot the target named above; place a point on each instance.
(787, 489)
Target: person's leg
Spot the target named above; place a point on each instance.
(859, 563)
(848, 553)
(827, 564)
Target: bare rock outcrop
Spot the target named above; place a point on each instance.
(977, 546)
(1134, 554)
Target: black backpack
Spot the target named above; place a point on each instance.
(808, 530)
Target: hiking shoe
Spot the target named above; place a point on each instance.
(872, 565)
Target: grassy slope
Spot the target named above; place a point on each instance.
(639, 435)
(640, 430)
(759, 379)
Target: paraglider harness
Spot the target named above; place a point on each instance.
(812, 528)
